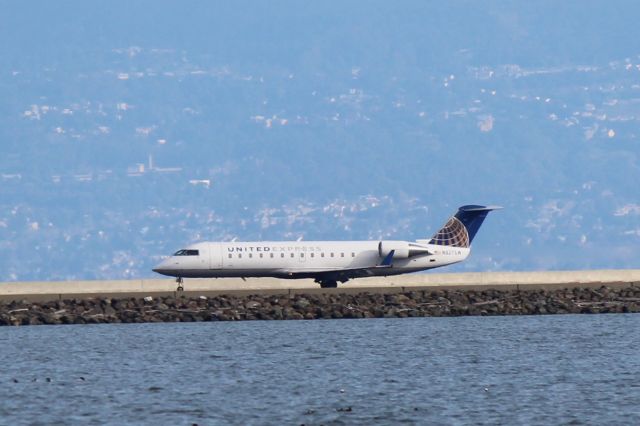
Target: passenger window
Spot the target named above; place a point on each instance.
(292, 254)
(260, 255)
(250, 255)
(353, 254)
(239, 255)
(301, 254)
(331, 254)
(322, 254)
(341, 254)
(281, 254)
(230, 255)
(311, 254)
(272, 255)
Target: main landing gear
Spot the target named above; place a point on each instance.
(327, 283)
(179, 282)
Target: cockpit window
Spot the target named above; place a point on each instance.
(185, 252)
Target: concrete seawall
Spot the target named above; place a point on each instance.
(51, 291)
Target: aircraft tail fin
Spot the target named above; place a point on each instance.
(462, 227)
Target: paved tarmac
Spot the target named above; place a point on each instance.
(45, 291)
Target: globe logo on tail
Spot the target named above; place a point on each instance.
(453, 234)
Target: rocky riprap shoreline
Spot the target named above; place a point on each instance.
(437, 303)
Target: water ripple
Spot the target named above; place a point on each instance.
(567, 369)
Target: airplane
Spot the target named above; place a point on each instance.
(328, 262)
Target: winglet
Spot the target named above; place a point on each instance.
(387, 261)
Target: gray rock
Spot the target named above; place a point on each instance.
(252, 304)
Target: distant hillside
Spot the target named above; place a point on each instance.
(128, 131)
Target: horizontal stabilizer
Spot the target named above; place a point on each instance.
(479, 208)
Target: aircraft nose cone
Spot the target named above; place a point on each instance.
(164, 271)
(162, 268)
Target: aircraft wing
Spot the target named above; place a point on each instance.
(343, 274)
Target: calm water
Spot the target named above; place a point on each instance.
(517, 370)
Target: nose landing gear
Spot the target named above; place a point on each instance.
(179, 281)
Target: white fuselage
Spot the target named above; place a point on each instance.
(329, 262)
(299, 259)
